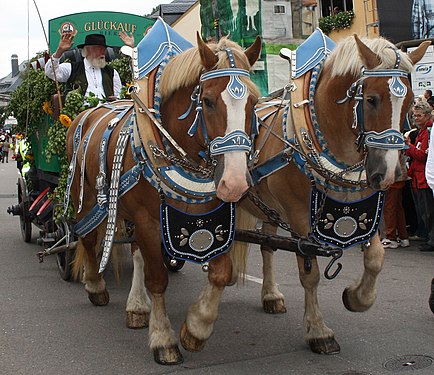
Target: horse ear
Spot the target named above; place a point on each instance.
(254, 50)
(208, 57)
(418, 53)
(369, 58)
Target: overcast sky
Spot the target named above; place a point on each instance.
(21, 31)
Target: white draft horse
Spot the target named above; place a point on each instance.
(222, 115)
(288, 189)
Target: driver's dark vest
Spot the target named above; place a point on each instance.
(78, 79)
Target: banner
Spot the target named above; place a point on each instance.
(108, 24)
(241, 22)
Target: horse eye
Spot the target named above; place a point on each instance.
(371, 100)
(208, 102)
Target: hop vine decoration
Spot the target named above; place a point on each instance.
(31, 103)
(342, 20)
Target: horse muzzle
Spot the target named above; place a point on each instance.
(231, 177)
(382, 168)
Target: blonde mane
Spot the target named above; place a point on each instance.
(345, 59)
(184, 70)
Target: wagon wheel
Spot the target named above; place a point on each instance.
(24, 203)
(173, 265)
(64, 258)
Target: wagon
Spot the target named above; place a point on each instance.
(35, 205)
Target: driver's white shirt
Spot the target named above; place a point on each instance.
(93, 76)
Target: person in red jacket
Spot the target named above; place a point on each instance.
(422, 194)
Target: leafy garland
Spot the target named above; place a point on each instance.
(342, 20)
(30, 103)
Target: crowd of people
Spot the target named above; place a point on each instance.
(409, 204)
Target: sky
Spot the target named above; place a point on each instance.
(22, 32)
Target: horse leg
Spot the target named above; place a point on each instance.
(162, 338)
(361, 296)
(138, 303)
(318, 336)
(201, 316)
(273, 301)
(94, 282)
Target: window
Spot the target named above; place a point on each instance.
(279, 9)
(331, 7)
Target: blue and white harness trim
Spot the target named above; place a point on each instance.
(236, 140)
(236, 88)
(388, 139)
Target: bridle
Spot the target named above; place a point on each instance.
(236, 140)
(389, 139)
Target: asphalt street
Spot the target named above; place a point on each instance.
(49, 327)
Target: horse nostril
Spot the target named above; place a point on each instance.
(249, 180)
(375, 181)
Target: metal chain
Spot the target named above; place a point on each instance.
(271, 213)
(320, 207)
(315, 163)
(207, 172)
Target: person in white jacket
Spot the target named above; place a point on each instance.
(429, 168)
(429, 174)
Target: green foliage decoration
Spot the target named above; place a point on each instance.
(27, 100)
(122, 65)
(29, 104)
(342, 20)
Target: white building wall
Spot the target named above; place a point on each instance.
(189, 23)
(276, 25)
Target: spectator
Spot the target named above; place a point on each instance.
(412, 218)
(429, 173)
(429, 98)
(422, 194)
(394, 215)
(422, 18)
(5, 150)
(90, 75)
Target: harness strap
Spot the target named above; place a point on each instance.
(270, 166)
(99, 212)
(113, 194)
(101, 179)
(83, 157)
(73, 163)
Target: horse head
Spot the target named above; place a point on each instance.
(387, 100)
(375, 107)
(224, 98)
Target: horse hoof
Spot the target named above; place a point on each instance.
(324, 346)
(276, 306)
(350, 305)
(346, 301)
(137, 320)
(99, 299)
(168, 356)
(189, 342)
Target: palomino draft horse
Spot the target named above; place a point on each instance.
(218, 75)
(356, 101)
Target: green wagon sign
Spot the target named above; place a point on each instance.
(108, 24)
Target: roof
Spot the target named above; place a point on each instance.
(171, 12)
(9, 84)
